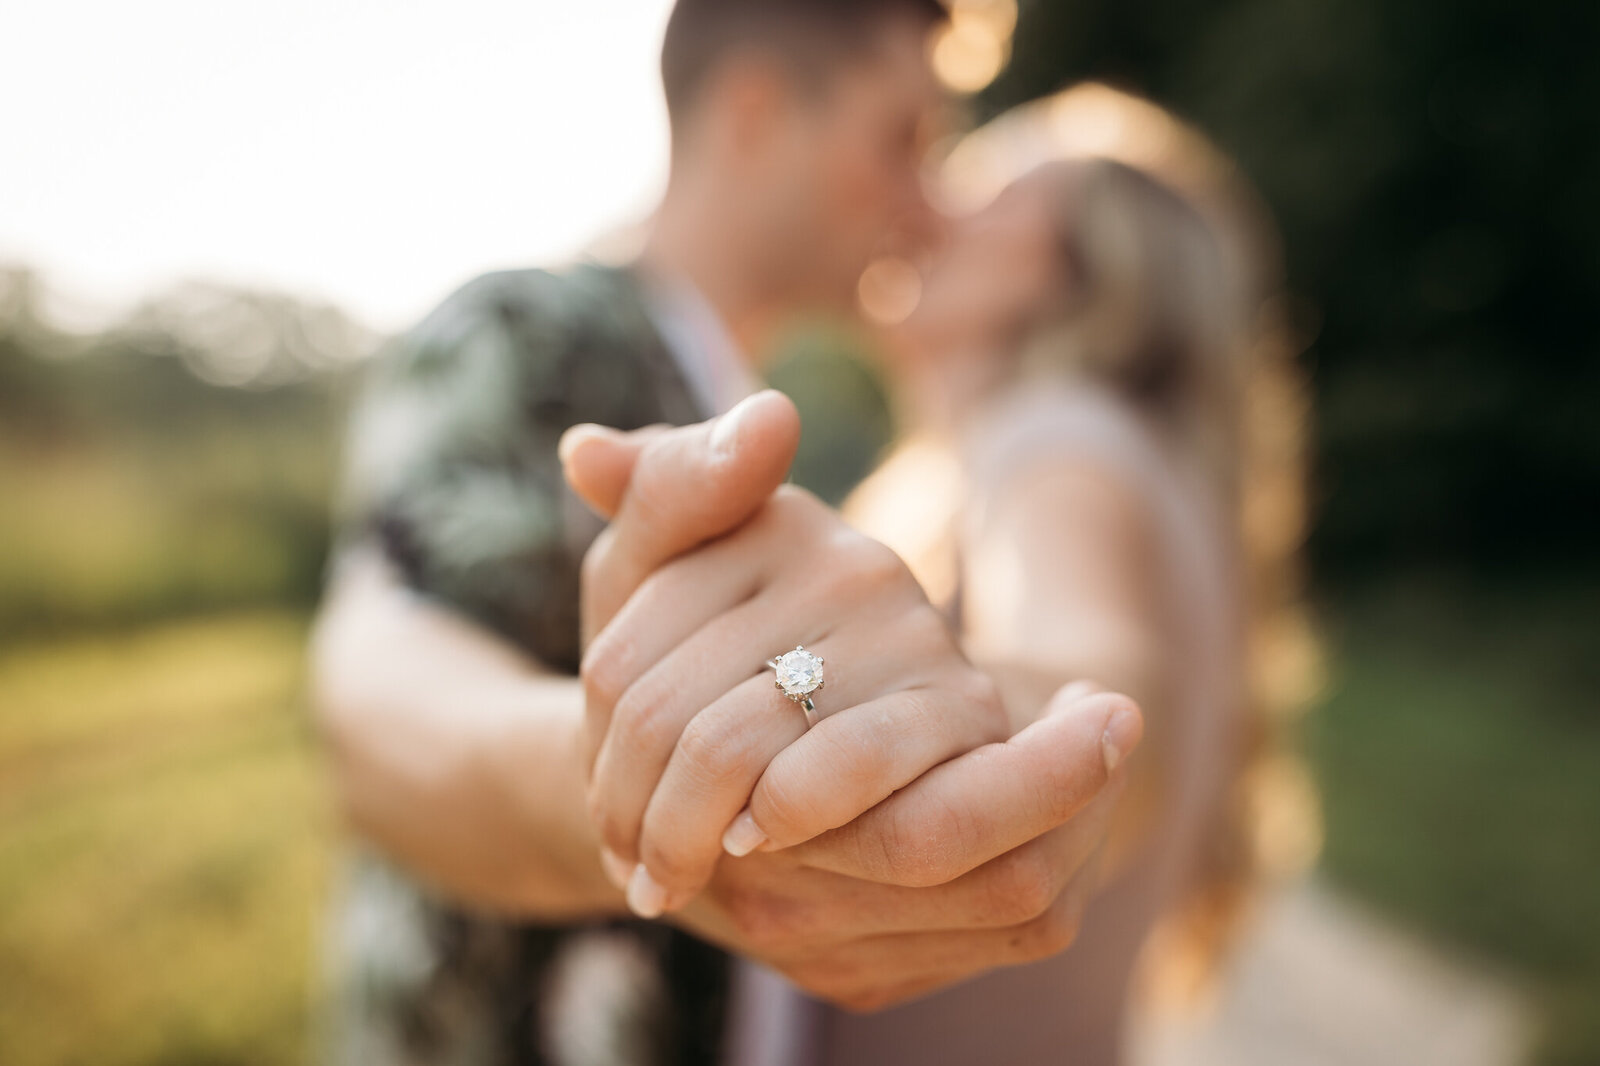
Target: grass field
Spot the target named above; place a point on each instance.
(164, 842)
(163, 848)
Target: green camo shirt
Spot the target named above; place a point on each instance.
(452, 469)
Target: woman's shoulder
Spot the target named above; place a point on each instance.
(1064, 424)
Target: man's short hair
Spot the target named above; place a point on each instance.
(812, 36)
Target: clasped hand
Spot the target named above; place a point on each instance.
(911, 838)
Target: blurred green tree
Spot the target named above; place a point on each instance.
(177, 461)
(1434, 166)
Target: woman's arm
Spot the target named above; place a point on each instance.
(454, 752)
(1062, 580)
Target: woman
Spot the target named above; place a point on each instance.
(1100, 476)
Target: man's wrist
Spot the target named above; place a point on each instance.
(531, 750)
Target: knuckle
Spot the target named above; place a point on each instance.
(917, 848)
(927, 628)
(817, 980)
(592, 568)
(634, 714)
(760, 922)
(857, 988)
(671, 866)
(982, 701)
(650, 504)
(712, 751)
(1064, 926)
(655, 451)
(792, 503)
(601, 675)
(982, 691)
(657, 471)
(924, 643)
(917, 710)
(788, 510)
(893, 853)
(607, 669)
(1051, 933)
(642, 723)
(663, 584)
(867, 567)
(836, 981)
(865, 1001)
(1020, 887)
(783, 811)
(617, 835)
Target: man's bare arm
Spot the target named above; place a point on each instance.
(452, 751)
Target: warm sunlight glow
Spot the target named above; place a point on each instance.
(974, 47)
(910, 503)
(1086, 120)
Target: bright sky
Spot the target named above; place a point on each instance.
(372, 152)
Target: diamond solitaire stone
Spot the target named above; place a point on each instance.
(799, 672)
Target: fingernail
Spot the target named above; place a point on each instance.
(743, 836)
(574, 437)
(1121, 737)
(618, 870)
(646, 898)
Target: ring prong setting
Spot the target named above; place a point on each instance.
(798, 675)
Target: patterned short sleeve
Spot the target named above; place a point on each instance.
(451, 461)
(451, 468)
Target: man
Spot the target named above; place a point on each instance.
(798, 127)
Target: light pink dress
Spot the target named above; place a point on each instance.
(1069, 1009)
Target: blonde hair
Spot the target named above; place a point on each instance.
(1151, 312)
(1180, 307)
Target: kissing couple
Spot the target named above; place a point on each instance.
(656, 758)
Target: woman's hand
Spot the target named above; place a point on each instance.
(860, 890)
(987, 860)
(683, 717)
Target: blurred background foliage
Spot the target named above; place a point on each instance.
(177, 461)
(164, 484)
(1433, 167)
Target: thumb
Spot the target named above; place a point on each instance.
(598, 462)
(687, 485)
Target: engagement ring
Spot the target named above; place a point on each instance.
(799, 675)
